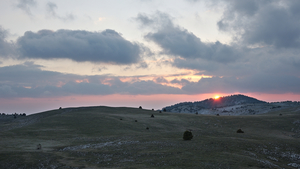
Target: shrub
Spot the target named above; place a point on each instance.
(187, 135)
(147, 128)
(39, 147)
(152, 116)
(140, 107)
(164, 109)
(239, 131)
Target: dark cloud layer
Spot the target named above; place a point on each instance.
(28, 80)
(263, 83)
(178, 41)
(256, 22)
(107, 46)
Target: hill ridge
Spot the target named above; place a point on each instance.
(237, 104)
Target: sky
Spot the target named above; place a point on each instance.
(149, 53)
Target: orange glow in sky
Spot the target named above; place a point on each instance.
(217, 96)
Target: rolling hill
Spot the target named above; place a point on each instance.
(229, 105)
(108, 137)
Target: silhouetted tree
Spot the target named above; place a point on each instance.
(164, 110)
(140, 107)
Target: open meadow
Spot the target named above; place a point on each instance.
(107, 137)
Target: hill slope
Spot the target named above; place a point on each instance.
(229, 105)
(105, 137)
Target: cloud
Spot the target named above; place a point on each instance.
(178, 41)
(51, 7)
(267, 63)
(25, 5)
(259, 83)
(28, 80)
(273, 23)
(6, 48)
(107, 46)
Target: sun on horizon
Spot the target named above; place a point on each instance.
(217, 97)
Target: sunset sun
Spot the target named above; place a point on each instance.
(216, 97)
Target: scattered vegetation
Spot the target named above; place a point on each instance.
(239, 131)
(39, 147)
(187, 135)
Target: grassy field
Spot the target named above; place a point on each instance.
(105, 137)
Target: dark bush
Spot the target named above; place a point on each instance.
(135, 120)
(164, 109)
(280, 114)
(196, 112)
(39, 147)
(187, 135)
(152, 116)
(159, 111)
(152, 109)
(140, 107)
(147, 128)
(218, 115)
(121, 119)
(239, 131)
(60, 108)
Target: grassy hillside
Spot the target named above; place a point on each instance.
(96, 137)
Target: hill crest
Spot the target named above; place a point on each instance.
(228, 105)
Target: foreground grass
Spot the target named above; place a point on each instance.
(96, 137)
